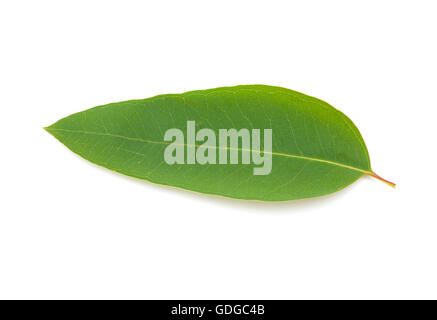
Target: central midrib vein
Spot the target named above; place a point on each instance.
(215, 147)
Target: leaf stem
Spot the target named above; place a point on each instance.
(391, 184)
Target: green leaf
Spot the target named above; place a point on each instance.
(316, 149)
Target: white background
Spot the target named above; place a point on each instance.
(70, 229)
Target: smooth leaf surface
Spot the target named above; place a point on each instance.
(316, 149)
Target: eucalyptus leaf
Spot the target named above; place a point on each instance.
(315, 149)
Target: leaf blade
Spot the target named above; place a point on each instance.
(316, 149)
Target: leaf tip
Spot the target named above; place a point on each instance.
(47, 129)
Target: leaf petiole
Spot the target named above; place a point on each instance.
(391, 184)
